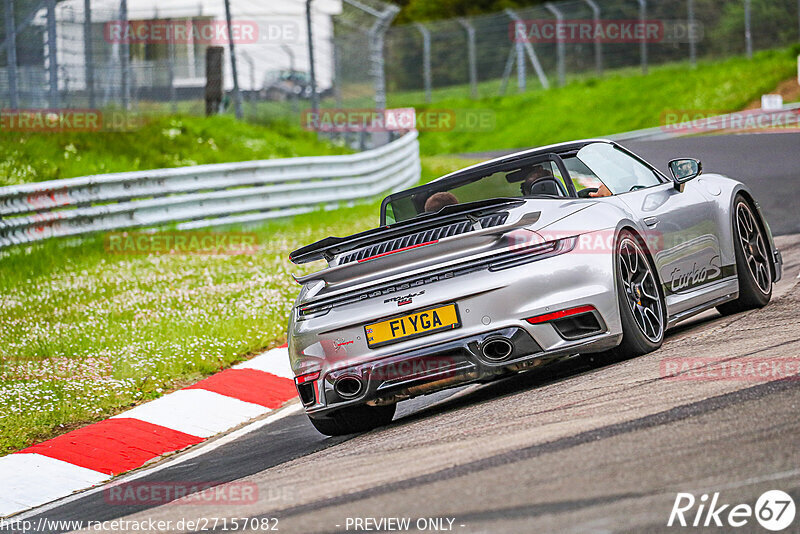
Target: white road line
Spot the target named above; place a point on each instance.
(275, 361)
(194, 452)
(751, 481)
(32, 479)
(197, 412)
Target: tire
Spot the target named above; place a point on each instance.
(641, 303)
(753, 266)
(354, 419)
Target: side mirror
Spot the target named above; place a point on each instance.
(683, 170)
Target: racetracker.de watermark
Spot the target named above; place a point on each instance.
(180, 243)
(748, 369)
(441, 366)
(181, 493)
(398, 119)
(604, 31)
(691, 121)
(55, 120)
(596, 242)
(187, 31)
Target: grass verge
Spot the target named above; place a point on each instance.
(87, 333)
(167, 141)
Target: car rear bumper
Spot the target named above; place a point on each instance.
(446, 365)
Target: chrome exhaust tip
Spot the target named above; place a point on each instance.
(348, 386)
(497, 349)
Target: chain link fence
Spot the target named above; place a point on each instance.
(685, 31)
(148, 57)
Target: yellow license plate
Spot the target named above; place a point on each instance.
(413, 325)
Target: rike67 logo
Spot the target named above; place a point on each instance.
(774, 510)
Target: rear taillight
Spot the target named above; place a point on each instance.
(547, 317)
(302, 379)
(527, 251)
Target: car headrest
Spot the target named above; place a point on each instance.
(543, 186)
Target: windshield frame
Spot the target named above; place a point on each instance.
(475, 174)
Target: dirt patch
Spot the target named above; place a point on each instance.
(789, 89)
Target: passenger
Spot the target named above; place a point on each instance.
(439, 200)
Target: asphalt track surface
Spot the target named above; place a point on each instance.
(768, 162)
(577, 447)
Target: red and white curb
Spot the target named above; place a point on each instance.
(94, 454)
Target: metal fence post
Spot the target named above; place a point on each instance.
(290, 53)
(524, 46)
(471, 53)
(521, 77)
(376, 65)
(426, 59)
(312, 72)
(337, 72)
(598, 44)
(88, 51)
(376, 34)
(173, 103)
(52, 53)
(292, 67)
(560, 46)
(643, 40)
(11, 54)
(748, 37)
(237, 97)
(692, 36)
(253, 96)
(512, 52)
(124, 52)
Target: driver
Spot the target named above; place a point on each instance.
(536, 173)
(602, 191)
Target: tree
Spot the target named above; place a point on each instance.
(420, 10)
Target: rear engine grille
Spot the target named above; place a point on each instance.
(419, 238)
(498, 262)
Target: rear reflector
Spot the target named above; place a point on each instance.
(307, 377)
(559, 314)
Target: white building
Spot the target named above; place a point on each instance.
(280, 43)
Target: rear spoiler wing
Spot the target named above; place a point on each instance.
(331, 247)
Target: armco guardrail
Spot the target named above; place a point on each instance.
(682, 129)
(203, 195)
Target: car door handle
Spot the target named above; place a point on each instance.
(651, 221)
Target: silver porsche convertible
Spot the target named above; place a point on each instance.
(579, 247)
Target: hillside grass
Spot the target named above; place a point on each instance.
(167, 141)
(619, 102)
